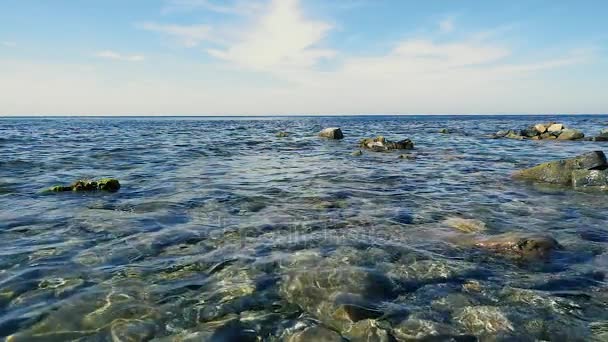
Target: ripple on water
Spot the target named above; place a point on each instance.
(224, 231)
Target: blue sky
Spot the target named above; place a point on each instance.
(265, 57)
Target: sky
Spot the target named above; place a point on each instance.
(302, 57)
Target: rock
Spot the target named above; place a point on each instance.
(570, 134)
(518, 244)
(511, 134)
(560, 171)
(501, 134)
(444, 131)
(316, 333)
(407, 156)
(367, 331)
(465, 225)
(338, 297)
(590, 179)
(282, 134)
(331, 133)
(379, 143)
(104, 184)
(540, 128)
(423, 330)
(547, 135)
(556, 127)
(483, 320)
(530, 132)
(357, 153)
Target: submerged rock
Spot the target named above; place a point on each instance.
(465, 225)
(316, 333)
(483, 320)
(331, 133)
(367, 330)
(560, 171)
(444, 131)
(357, 153)
(524, 245)
(104, 184)
(380, 144)
(282, 134)
(337, 297)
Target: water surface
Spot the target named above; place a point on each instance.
(215, 216)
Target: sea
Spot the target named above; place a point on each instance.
(224, 231)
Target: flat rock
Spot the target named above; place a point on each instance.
(560, 171)
(331, 133)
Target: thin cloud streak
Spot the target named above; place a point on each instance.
(108, 54)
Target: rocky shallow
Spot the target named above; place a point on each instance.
(298, 240)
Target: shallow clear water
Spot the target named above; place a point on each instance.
(218, 220)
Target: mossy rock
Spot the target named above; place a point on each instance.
(87, 185)
(560, 171)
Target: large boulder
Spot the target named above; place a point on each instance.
(560, 171)
(104, 184)
(331, 133)
(380, 144)
(570, 134)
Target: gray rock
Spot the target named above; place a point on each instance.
(556, 127)
(357, 153)
(331, 133)
(570, 134)
(590, 178)
(317, 333)
(380, 144)
(560, 171)
(483, 320)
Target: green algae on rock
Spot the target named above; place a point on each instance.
(104, 184)
(560, 171)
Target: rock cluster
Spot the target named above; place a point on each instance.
(541, 131)
(587, 170)
(331, 133)
(104, 184)
(381, 144)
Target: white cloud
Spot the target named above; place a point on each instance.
(186, 35)
(8, 44)
(446, 25)
(108, 54)
(282, 37)
(241, 7)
